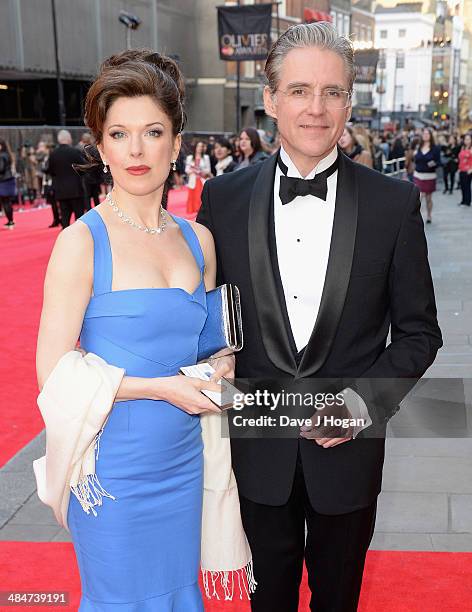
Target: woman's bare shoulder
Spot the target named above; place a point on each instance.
(203, 234)
(72, 254)
(75, 239)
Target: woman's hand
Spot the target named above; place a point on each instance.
(185, 393)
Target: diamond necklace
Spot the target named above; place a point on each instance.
(126, 219)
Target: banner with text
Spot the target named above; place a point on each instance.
(244, 32)
(366, 65)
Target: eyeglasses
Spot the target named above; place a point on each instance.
(332, 98)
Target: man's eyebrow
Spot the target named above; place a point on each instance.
(298, 84)
(328, 86)
(147, 125)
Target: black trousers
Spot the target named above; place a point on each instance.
(449, 174)
(334, 552)
(51, 200)
(5, 202)
(465, 179)
(92, 191)
(69, 206)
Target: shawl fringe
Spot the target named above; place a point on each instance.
(225, 581)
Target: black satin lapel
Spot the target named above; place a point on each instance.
(268, 307)
(338, 272)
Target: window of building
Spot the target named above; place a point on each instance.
(400, 62)
(402, 33)
(382, 61)
(364, 98)
(383, 33)
(340, 24)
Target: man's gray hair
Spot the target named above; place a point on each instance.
(64, 137)
(322, 35)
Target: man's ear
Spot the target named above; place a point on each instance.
(269, 103)
(348, 113)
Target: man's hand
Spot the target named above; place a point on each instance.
(224, 366)
(323, 432)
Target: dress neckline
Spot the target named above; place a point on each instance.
(149, 289)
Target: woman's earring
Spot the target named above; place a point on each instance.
(174, 165)
(105, 169)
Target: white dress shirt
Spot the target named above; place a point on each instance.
(303, 230)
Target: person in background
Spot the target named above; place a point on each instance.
(210, 150)
(250, 147)
(197, 169)
(410, 159)
(224, 157)
(351, 146)
(66, 182)
(47, 188)
(41, 153)
(85, 140)
(377, 153)
(93, 178)
(384, 145)
(450, 153)
(30, 172)
(465, 169)
(7, 182)
(427, 160)
(397, 152)
(265, 142)
(179, 172)
(234, 140)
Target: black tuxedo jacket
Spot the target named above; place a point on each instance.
(67, 184)
(378, 275)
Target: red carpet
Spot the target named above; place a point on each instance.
(24, 253)
(394, 581)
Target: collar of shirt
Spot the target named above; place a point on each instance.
(323, 164)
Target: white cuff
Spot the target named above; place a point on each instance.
(358, 410)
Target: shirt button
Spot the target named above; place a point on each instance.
(298, 239)
(295, 297)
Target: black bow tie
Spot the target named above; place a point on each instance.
(291, 187)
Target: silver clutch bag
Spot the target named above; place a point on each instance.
(223, 327)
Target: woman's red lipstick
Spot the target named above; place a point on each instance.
(137, 170)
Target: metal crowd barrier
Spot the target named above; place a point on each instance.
(393, 167)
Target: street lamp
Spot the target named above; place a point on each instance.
(131, 22)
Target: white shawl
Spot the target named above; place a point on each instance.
(75, 403)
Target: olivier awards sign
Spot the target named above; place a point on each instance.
(244, 32)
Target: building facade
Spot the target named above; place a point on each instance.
(405, 61)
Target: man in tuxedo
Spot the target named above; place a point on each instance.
(328, 255)
(66, 183)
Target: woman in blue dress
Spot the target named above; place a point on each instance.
(131, 280)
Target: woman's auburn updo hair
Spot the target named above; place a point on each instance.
(132, 73)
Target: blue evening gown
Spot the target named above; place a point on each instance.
(141, 553)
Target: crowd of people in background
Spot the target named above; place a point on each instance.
(55, 173)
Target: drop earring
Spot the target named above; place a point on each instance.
(105, 169)
(174, 165)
